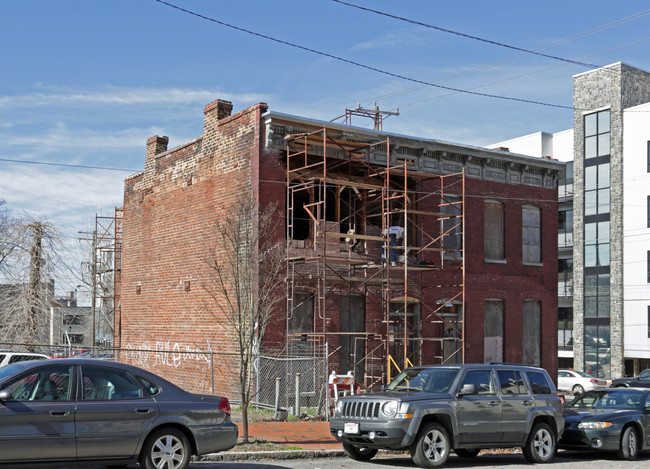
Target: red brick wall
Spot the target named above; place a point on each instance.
(169, 216)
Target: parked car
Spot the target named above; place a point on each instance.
(642, 380)
(7, 358)
(608, 420)
(74, 409)
(433, 410)
(577, 382)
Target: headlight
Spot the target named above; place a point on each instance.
(339, 407)
(389, 409)
(594, 425)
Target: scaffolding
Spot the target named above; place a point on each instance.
(107, 268)
(375, 258)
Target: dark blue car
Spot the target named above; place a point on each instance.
(616, 419)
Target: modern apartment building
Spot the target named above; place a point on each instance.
(604, 214)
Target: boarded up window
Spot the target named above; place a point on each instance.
(493, 230)
(301, 321)
(493, 341)
(352, 319)
(531, 234)
(451, 224)
(531, 333)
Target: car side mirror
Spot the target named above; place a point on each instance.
(5, 395)
(467, 390)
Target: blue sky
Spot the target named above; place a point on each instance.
(87, 82)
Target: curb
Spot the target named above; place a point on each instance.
(256, 455)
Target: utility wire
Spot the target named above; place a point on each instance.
(70, 165)
(358, 64)
(566, 40)
(469, 36)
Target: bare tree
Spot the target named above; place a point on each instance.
(8, 235)
(246, 265)
(26, 293)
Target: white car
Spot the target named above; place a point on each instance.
(577, 382)
(7, 358)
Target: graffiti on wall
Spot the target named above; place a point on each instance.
(164, 353)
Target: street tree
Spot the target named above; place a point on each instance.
(246, 287)
(26, 292)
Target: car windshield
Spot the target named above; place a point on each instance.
(608, 400)
(644, 374)
(424, 379)
(583, 374)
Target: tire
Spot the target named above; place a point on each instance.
(578, 389)
(359, 453)
(166, 448)
(432, 446)
(540, 446)
(629, 449)
(467, 453)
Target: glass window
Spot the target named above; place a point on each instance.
(493, 231)
(603, 121)
(603, 175)
(591, 178)
(597, 350)
(603, 144)
(597, 244)
(597, 134)
(539, 383)
(50, 383)
(511, 382)
(649, 327)
(649, 211)
(100, 384)
(482, 379)
(590, 124)
(648, 152)
(531, 234)
(648, 266)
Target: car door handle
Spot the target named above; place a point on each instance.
(59, 413)
(143, 411)
(493, 403)
(527, 402)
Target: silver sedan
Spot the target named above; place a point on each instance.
(93, 410)
(578, 382)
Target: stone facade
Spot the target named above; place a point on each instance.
(614, 87)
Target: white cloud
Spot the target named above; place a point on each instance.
(122, 96)
(401, 38)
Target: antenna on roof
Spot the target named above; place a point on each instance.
(376, 114)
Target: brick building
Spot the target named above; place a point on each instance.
(409, 247)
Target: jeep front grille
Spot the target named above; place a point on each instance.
(362, 409)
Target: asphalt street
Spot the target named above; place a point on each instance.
(564, 460)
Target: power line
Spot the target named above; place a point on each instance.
(358, 64)
(469, 36)
(69, 165)
(480, 68)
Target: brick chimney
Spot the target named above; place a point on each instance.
(155, 146)
(219, 109)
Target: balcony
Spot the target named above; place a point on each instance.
(565, 239)
(565, 189)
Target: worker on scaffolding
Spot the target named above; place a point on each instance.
(395, 235)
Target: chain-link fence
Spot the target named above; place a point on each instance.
(293, 384)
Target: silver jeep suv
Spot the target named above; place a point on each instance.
(465, 408)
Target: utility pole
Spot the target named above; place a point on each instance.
(34, 295)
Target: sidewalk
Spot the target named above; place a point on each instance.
(306, 435)
(313, 438)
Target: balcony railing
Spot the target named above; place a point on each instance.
(564, 239)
